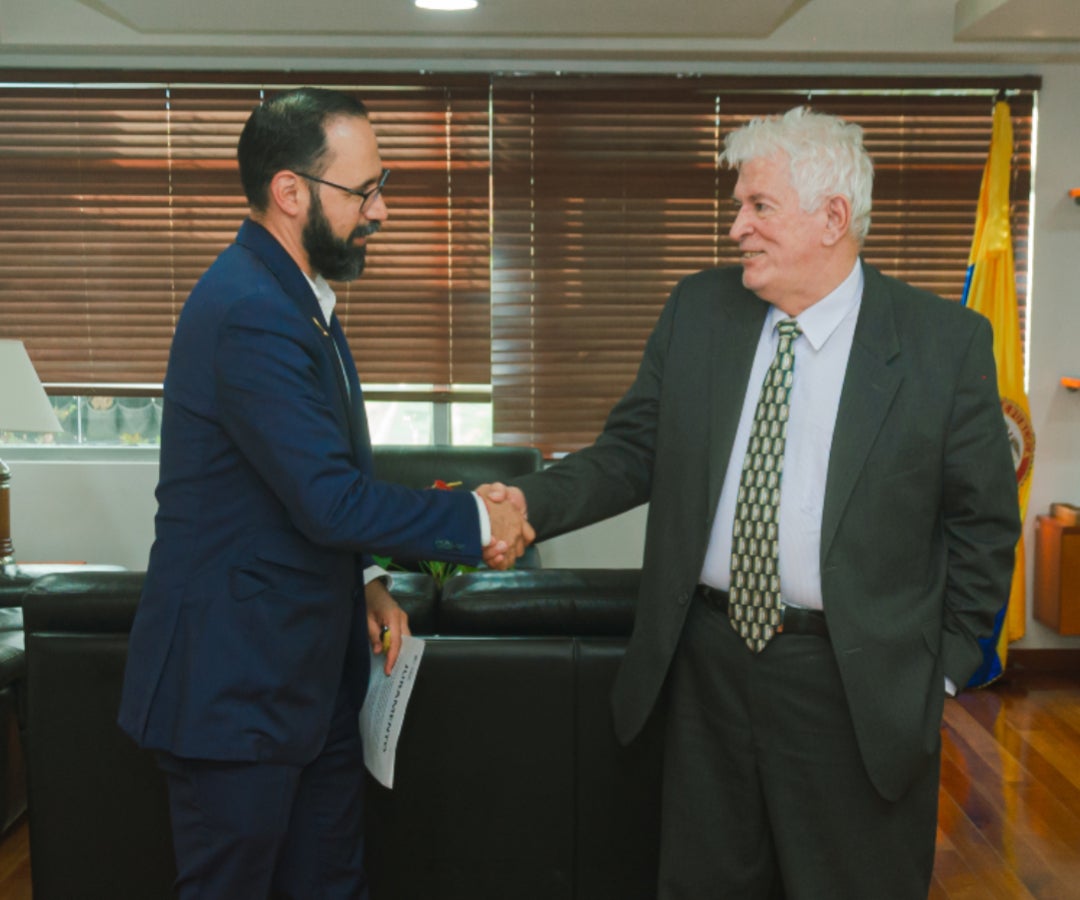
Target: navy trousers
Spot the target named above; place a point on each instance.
(262, 830)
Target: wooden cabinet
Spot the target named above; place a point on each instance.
(1057, 574)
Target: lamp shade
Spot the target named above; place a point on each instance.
(23, 403)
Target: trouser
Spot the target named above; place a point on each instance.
(765, 794)
(251, 830)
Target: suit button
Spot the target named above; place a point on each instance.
(683, 598)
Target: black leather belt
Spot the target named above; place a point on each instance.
(793, 619)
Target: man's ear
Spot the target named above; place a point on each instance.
(287, 195)
(837, 219)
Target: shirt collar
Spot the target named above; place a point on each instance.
(818, 322)
(324, 294)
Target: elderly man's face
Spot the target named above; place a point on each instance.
(783, 247)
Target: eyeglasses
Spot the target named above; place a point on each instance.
(366, 197)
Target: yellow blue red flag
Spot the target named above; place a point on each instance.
(991, 290)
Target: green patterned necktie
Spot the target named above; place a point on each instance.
(754, 599)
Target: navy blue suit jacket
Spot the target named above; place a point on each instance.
(253, 610)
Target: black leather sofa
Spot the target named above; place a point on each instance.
(12, 673)
(417, 467)
(508, 784)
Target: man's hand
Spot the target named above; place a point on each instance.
(510, 529)
(386, 621)
(497, 492)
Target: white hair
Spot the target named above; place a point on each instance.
(826, 157)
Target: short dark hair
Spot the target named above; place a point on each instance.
(288, 131)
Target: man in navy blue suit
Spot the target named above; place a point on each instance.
(248, 659)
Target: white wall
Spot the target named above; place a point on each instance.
(103, 511)
(1055, 315)
(97, 512)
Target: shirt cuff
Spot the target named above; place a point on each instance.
(372, 573)
(485, 520)
(950, 686)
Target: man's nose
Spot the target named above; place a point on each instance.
(739, 227)
(377, 211)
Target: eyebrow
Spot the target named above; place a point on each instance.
(371, 182)
(363, 186)
(754, 198)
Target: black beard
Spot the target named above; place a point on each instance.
(330, 256)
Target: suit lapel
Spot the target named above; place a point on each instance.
(337, 351)
(735, 331)
(258, 240)
(870, 384)
(352, 395)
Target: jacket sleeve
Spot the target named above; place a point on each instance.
(980, 509)
(615, 473)
(276, 392)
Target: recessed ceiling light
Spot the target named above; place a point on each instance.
(446, 5)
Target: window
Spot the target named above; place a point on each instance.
(537, 226)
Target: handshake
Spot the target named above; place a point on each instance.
(511, 532)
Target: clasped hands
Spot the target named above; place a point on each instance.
(511, 532)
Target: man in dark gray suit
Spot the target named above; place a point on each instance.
(803, 640)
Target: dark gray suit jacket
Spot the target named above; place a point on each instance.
(920, 518)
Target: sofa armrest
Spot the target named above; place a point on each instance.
(83, 602)
(12, 588)
(546, 602)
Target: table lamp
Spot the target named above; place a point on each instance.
(23, 407)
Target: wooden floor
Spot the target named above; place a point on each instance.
(1009, 813)
(15, 864)
(1009, 819)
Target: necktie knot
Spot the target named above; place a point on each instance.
(788, 329)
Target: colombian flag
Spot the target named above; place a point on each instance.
(991, 290)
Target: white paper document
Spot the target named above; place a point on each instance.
(384, 709)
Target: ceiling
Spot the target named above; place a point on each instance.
(493, 18)
(1004, 20)
(683, 35)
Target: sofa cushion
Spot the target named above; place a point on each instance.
(483, 800)
(418, 595)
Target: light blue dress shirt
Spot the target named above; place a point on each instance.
(821, 358)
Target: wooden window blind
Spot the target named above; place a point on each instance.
(115, 199)
(85, 240)
(536, 225)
